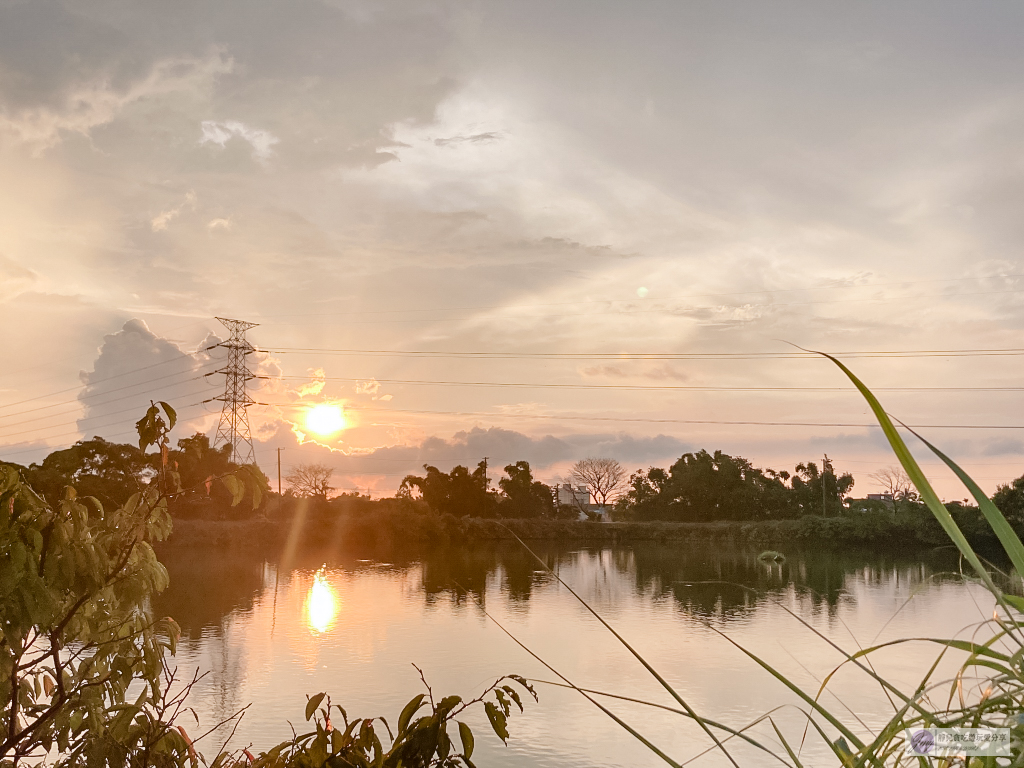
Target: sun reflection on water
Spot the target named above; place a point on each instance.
(321, 604)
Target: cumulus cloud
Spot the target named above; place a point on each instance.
(262, 142)
(135, 366)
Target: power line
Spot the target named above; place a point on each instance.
(655, 421)
(690, 387)
(36, 446)
(621, 356)
(87, 401)
(635, 300)
(97, 381)
(134, 408)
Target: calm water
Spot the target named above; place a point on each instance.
(270, 633)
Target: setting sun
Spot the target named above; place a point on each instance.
(325, 419)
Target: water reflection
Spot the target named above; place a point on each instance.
(724, 582)
(353, 622)
(321, 603)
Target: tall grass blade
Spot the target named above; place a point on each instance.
(996, 519)
(917, 476)
(654, 673)
(785, 744)
(632, 731)
(835, 723)
(733, 732)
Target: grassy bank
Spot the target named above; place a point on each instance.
(405, 527)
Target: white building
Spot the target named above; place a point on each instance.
(575, 496)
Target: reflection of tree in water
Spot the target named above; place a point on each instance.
(457, 570)
(710, 582)
(206, 586)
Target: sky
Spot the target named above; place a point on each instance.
(519, 230)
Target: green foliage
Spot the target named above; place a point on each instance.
(422, 741)
(109, 471)
(462, 493)
(702, 486)
(524, 496)
(78, 637)
(77, 579)
(1010, 500)
(459, 492)
(75, 583)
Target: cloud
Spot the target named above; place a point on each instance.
(1006, 446)
(135, 366)
(262, 142)
(371, 387)
(160, 222)
(659, 373)
(505, 446)
(86, 105)
(14, 278)
(314, 387)
(476, 138)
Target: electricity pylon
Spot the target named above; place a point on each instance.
(234, 419)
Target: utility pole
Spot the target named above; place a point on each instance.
(279, 470)
(824, 467)
(233, 428)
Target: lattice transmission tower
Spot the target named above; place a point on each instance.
(234, 418)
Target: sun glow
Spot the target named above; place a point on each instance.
(325, 419)
(321, 605)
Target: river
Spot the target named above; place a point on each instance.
(269, 633)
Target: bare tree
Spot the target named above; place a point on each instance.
(310, 480)
(601, 476)
(896, 483)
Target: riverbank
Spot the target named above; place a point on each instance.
(409, 528)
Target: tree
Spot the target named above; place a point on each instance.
(603, 477)
(808, 494)
(460, 492)
(111, 472)
(196, 461)
(896, 483)
(311, 481)
(1010, 500)
(646, 498)
(524, 496)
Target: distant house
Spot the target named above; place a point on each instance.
(574, 496)
(579, 497)
(880, 497)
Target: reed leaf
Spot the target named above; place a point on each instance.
(917, 476)
(993, 515)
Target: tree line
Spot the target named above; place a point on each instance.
(111, 472)
(698, 487)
